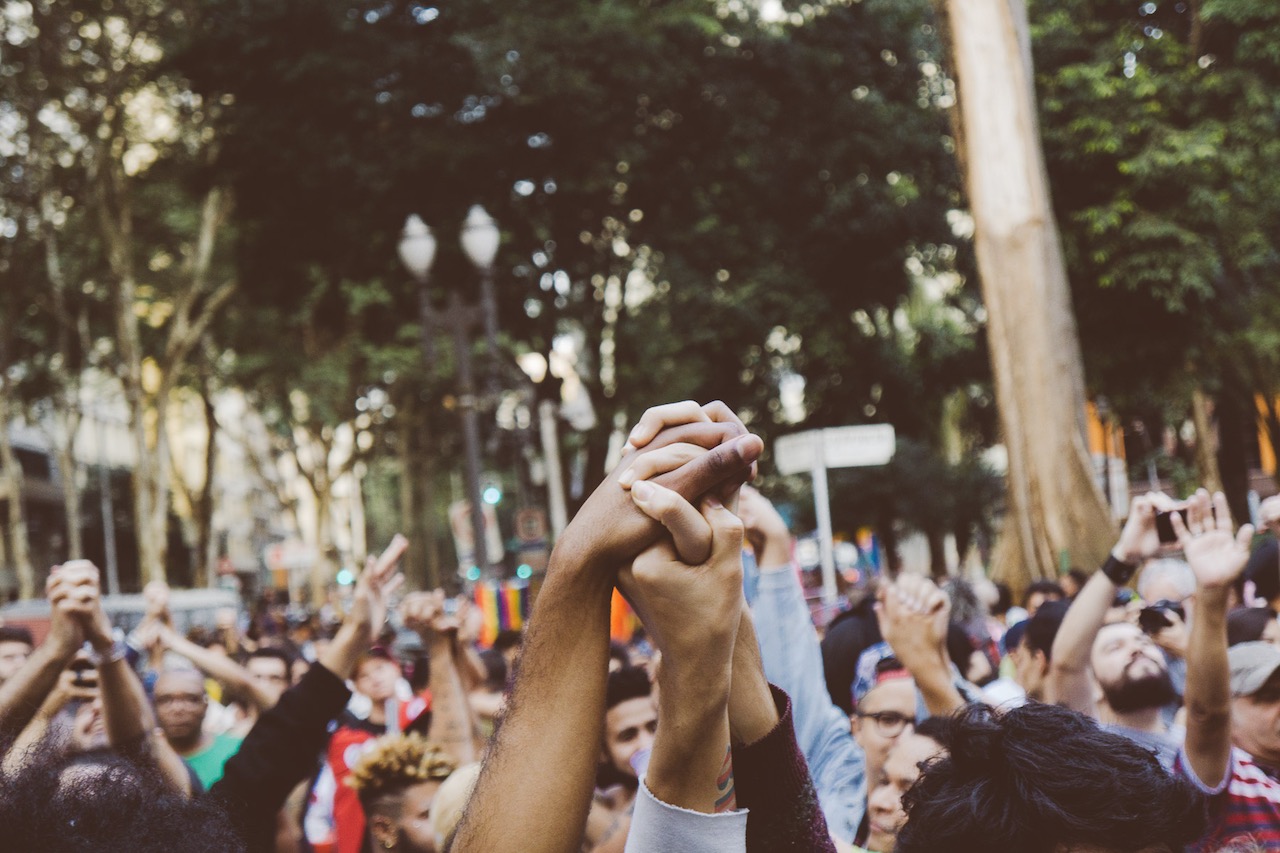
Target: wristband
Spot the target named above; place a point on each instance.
(1119, 573)
(117, 652)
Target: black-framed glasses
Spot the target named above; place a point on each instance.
(888, 723)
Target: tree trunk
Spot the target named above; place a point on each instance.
(1206, 453)
(1234, 428)
(11, 471)
(322, 571)
(1055, 503)
(69, 469)
(206, 548)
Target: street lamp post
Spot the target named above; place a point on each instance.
(417, 251)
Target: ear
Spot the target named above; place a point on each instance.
(383, 830)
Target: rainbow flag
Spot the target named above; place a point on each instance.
(622, 619)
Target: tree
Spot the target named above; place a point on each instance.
(1055, 504)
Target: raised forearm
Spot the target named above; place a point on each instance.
(932, 674)
(22, 695)
(348, 644)
(691, 766)
(752, 712)
(551, 728)
(451, 722)
(222, 668)
(1208, 692)
(1069, 682)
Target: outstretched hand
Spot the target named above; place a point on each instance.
(1216, 556)
(374, 588)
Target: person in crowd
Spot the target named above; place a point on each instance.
(1123, 661)
(1073, 581)
(181, 702)
(1232, 746)
(630, 724)
(16, 644)
(893, 678)
(334, 815)
(1032, 649)
(1262, 573)
(1250, 624)
(397, 781)
(1045, 779)
(94, 684)
(902, 767)
(1039, 593)
(849, 635)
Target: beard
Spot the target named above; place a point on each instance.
(1141, 694)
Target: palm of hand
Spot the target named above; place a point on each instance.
(1216, 558)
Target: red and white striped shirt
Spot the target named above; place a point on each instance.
(1244, 806)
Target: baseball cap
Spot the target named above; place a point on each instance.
(876, 665)
(1252, 664)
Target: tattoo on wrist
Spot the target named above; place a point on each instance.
(726, 800)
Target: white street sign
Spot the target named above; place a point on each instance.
(842, 447)
(835, 447)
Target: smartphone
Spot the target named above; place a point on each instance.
(1164, 525)
(451, 607)
(86, 674)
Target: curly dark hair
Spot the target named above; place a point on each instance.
(103, 802)
(1042, 776)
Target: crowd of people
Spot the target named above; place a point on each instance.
(1136, 708)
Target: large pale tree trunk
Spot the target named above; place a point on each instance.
(11, 472)
(1056, 507)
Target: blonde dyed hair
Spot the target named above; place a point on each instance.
(397, 762)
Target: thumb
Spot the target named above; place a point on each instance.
(727, 530)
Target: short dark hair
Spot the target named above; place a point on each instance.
(618, 651)
(1080, 576)
(507, 639)
(274, 653)
(1044, 587)
(1041, 776)
(16, 634)
(1004, 598)
(1246, 624)
(1043, 627)
(1014, 636)
(630, 682)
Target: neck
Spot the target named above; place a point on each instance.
(189, 745)
(1146, 720)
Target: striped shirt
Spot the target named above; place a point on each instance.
(1245, 806)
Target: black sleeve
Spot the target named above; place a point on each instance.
(280, 751)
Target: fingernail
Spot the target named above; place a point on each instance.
(643, 490)
(628, 477)
(714, 503)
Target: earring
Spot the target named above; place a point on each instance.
(388, 844)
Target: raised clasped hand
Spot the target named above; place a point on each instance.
(692, 450)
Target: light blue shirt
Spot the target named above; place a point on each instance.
(793, 662)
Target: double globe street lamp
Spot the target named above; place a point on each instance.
(480, 238)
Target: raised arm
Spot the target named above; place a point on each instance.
(913, 616)
(692, 612)
(1069, 682)
(217, 666)
(452, 725)
(22, 695)
(551, 728)
(1217, 559)
(126, 712)
(280, 750)
(792, 660)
